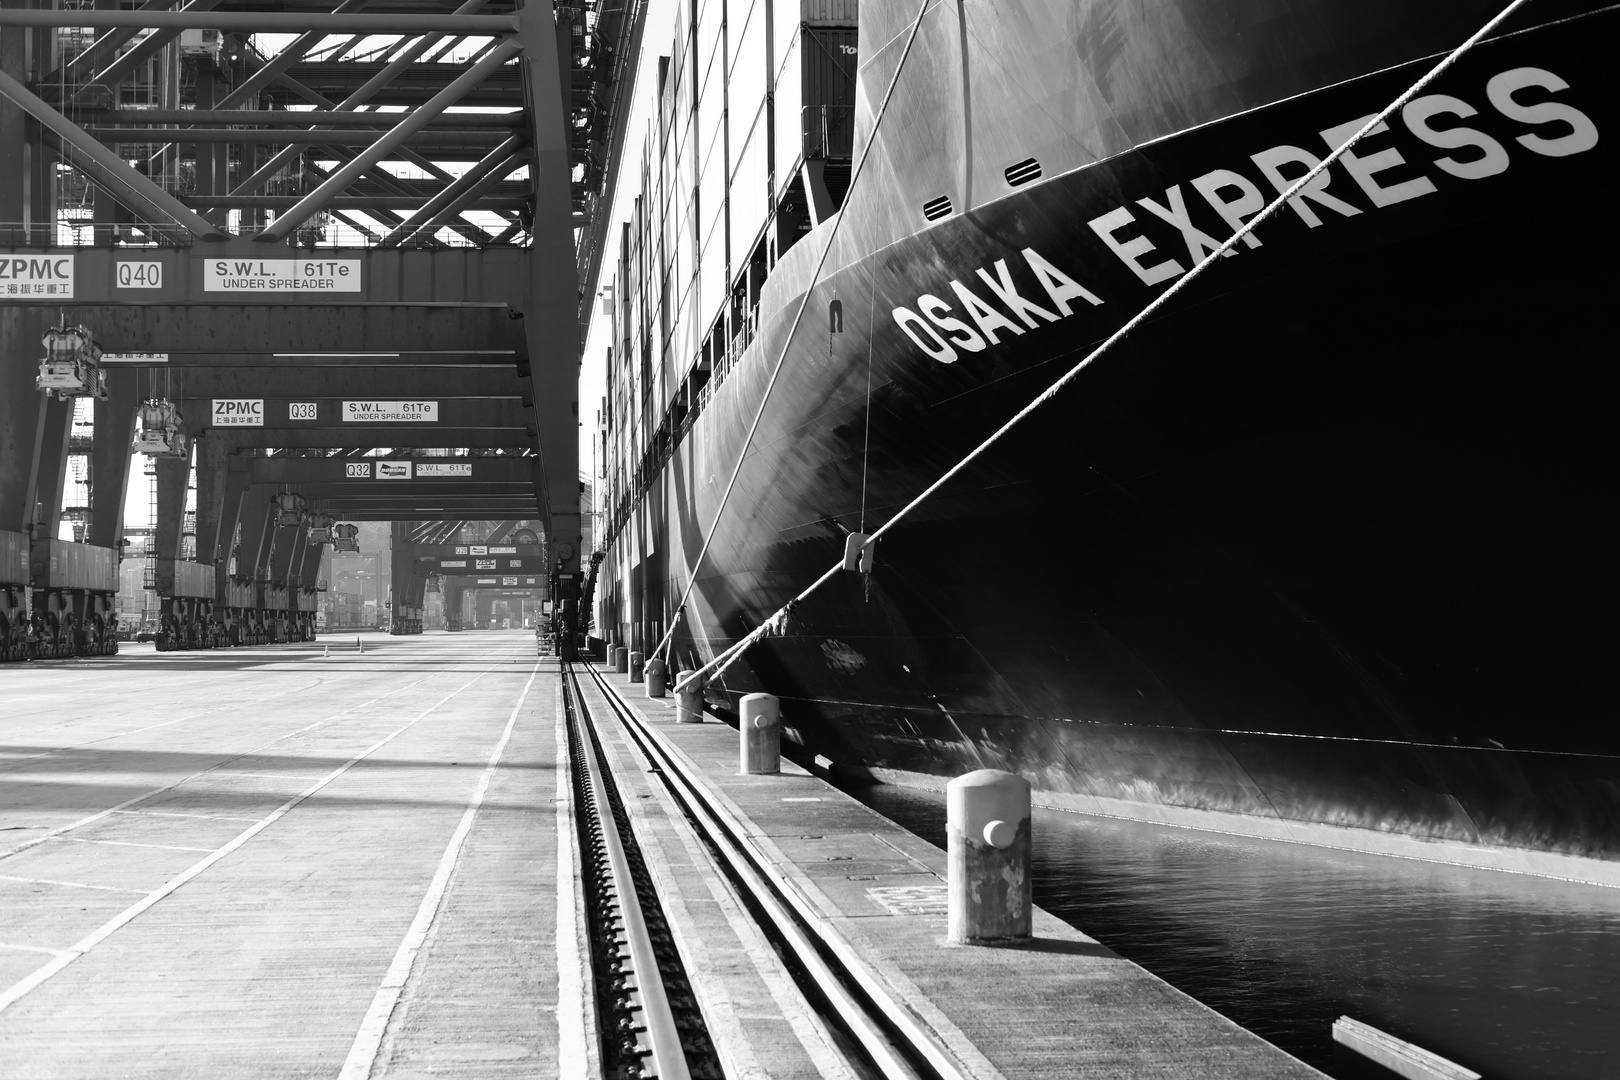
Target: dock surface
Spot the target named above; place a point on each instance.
(281, 862)
(212, 863)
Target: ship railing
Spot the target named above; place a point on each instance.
(829, 132)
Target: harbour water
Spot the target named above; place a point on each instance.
(1512, 976)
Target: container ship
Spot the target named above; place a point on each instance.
(1315, 549)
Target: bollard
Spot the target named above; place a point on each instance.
(359, 644)
(636, 667)
(621, 659)
(327, 651)
(688, 702)
(760, 733)
(987, 830)
(656, 676)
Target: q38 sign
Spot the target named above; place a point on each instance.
(238, 412)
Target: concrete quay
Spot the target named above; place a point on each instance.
(265, 862)
(1061, 1005)
(272, 862)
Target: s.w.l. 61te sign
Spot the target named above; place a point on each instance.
(281, 275)
(391, 412)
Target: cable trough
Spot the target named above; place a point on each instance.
(877, 1036)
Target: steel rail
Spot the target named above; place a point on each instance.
(874, 1022)
(669, 1057)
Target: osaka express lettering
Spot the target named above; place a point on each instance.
(1160, 236)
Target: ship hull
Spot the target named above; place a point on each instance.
(1318, 543)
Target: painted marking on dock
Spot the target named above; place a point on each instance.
(71, 884)
(131, 843)
(363, 1054)
(912, 899)
(173, 813)
(26, 844)
(29, 948)
(805, 798)
(28, 983)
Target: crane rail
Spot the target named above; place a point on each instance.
(877, 1037)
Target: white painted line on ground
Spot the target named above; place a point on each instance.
(267, 776)
(71, 884)
(172, 813)
(29, 948)
(26, 844)
(363, 1054)
(30, 982)
(254, 703)
(131, 843)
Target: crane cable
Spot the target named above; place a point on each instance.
(776, 372)
(777, 621)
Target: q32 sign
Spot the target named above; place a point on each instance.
(357, 470)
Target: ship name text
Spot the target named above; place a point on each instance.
(1147, 236)
(988, 321)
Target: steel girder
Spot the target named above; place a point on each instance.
(415, 436)
(481, 472)
(383, 275)
(314, 329)
(298, 383)
(330, 413)
(472, 511)
(462, 551)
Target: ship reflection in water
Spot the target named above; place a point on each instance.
(1512, 976)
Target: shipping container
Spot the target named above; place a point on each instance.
(58, 564)
(13, 558)
(831, 58)
(179, 577)
(830, 12)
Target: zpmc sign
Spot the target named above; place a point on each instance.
(238, 412)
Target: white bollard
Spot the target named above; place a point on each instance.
(326, 651)
(656, 676)
(688, 702)
(987, 832)
(359, 644)
(636, 667)
(621, 659)
(760, 735)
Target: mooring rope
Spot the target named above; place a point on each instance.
(777, 622)
(815, 276)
